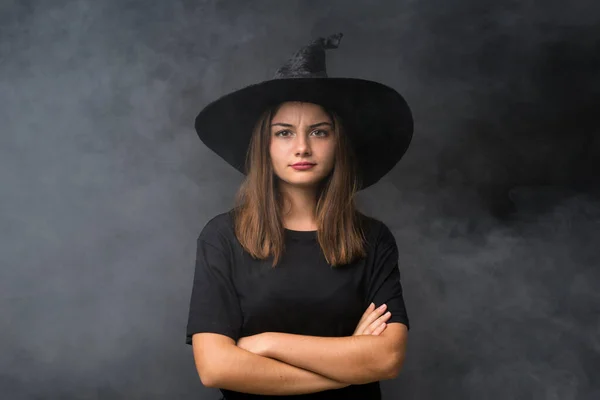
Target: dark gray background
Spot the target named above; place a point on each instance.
(105, 186)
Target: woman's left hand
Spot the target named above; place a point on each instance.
(257, 344)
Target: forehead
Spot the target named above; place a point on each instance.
(296, 111)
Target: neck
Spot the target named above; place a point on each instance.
(299, 205)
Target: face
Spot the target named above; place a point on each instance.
(302, 132)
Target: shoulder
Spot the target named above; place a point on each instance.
(377, 231)
(218, 230)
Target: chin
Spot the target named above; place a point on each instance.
(302, 182)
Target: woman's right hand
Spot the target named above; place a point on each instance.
(372, 321)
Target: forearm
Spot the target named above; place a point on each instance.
(243, 371)
(351, 359)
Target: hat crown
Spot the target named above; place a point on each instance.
(309, 61)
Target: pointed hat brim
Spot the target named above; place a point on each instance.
(375, 117)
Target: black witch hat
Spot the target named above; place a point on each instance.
(376, 118)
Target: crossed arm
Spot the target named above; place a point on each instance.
(296, 364)
(349, 359)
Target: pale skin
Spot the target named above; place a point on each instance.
(301, 132)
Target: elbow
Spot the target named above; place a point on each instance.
(212, 377)
(392, 373)
(207, 381)
(208, 378)
(207, 373)
(395, 366)
(211, 351)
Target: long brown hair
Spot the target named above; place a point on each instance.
(258, 202)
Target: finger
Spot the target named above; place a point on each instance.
(363, 320)
(384, 317)
(369, 309)
(371, 329)
(377, 323)
(370, 319)
(375, 314)
(380, 329)
(376, 331)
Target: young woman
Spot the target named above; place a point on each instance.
(286, 282)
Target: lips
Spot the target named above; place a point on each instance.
(302, 167)
(301, 164)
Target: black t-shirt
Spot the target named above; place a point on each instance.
(237, 296)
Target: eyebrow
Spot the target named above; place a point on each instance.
(311, 126)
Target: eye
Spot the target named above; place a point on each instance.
(282, 133)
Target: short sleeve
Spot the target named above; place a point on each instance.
(214, 304)
(384, 283)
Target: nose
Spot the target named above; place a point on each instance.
(302, 144)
